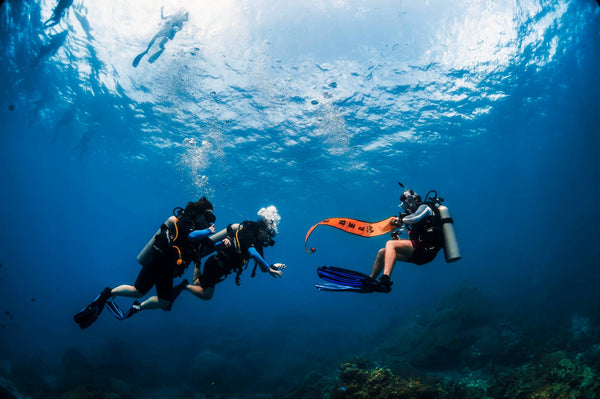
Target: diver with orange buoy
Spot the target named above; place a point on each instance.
(430, 228)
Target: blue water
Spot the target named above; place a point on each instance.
(316, 108)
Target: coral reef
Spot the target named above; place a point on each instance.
(553, 376)
(464, 348)
(357, 382)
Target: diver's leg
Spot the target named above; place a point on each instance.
(128, 291)
(396, 250)
(200, 292)
(378, 264)
(155, 56)
(143, 283)
(155, 303)
(138, 58)
(197, 272)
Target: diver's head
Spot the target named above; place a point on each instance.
(200, 212)
(410, 201)
(267, 224)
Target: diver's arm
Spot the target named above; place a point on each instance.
(198, 235)
(421, 212)
(264, 266)
(274, 270)
(223, 233)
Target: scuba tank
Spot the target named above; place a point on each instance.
(451, 251)
(147, 254)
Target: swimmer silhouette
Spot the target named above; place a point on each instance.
(58, 12)
(168, 29)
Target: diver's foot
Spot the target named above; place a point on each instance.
(137, 59)
(385, 280)
(135, 308)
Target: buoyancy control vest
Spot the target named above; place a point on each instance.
(236, 256)
(172, 244)
(428, 230)
(437, 231)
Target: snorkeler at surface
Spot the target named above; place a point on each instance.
(169, 28)
(58, 12)
(176, 244)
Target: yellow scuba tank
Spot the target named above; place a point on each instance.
(451, 250)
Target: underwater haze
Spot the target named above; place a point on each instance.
(115, 112)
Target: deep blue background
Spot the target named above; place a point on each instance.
(82, 194)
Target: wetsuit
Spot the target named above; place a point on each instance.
(245, 245)
(160, 268)
(425, 234)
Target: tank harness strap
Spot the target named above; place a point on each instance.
(239, 246)
(447, 220)
(180, 260)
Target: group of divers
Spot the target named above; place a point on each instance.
(189, 236)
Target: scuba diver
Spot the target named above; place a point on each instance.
(426, 237)
(169, 28)
(168, 253)
(430, 228)
(237, 244)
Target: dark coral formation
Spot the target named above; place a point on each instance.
(553, 376)
(357, 382)
(466, 348)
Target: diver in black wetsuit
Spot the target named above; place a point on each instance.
(169, 28)
(167, 255)
(238, 244)
(424, 242)
(430, 229)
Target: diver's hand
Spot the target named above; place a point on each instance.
(227, 242)
(275, 270)
(278, 266)
(212, 228)
(395, 221)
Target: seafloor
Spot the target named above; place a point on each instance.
(464, 347)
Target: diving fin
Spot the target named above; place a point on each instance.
(118, 312)
(349, 280)
(137, 59)
(340, 287)
(115, 310)
(87, 316)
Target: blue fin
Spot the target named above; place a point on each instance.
(118, 312)
(115, 310)
(349, 280)
(339, 287)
